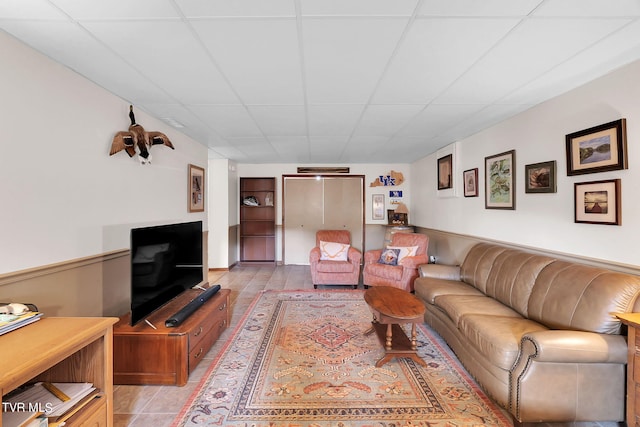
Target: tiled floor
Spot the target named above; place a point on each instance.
(157, 406)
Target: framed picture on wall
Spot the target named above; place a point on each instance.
(540, 177)
(598, 202)
(500, 181)
(445, 168)
(597, 149)
(377, 206)
(470, 182)
(196, 186)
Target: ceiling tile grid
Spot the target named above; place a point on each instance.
(331, 81)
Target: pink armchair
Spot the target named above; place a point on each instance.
(339, 265)
(405, 272)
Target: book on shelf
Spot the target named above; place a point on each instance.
(57, 401)
(10, 322)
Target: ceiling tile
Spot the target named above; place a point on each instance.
(260, 58)
(534, 47)
(593, 8)
(117, 9)
(228, 120)
(333, 120)
(357, 7)
(30, 9)
(166, 53)
(209, 8)
(345, 58)
(437, 119)
(477, 8)
(280, 120)
(434, 53)
(385, 120)
(327, 148)
(295, 148)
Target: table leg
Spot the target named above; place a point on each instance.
(414, 344)
(388, 345)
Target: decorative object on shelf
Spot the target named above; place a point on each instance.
(323, 169)
(540, 177)
(196, 189)
(268, 199)
(597, 149)
(445, 167)
(399, 215)
(137, 137)
(500, 181)
(470, 180)
(391, 179)
(377, 206)
(598, 202)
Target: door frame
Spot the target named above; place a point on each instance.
(316, 176)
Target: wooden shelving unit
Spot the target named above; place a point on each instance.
(63, 349)
(258, 223)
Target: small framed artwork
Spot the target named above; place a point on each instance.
(377, 206)
(500, 181)
(470, 181)
(196, 189)
(540, 177)
(597, 149)
(598, 202)
(445, 168)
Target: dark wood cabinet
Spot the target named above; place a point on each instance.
(166, 356)
(257, 220)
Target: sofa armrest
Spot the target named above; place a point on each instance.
(314, 255)
(354, 256)
(574, 347)
(372, 256)
(413, 262)
(440, 271)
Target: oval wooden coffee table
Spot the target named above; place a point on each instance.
(393, 307)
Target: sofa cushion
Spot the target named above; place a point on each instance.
(512, 277)
(430, 288)
(334, 267)
(389, 272)
(497, 337)
(333, 251)
(478, 263)
(456, 306)
(580, 297)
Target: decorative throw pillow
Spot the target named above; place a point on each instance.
(389, 257)
(405, 251)
(332, 251)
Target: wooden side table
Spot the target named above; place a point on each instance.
(632, 320)
(392, 307)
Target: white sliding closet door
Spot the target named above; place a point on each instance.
(311, 204)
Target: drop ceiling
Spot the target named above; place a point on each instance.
(331, 81)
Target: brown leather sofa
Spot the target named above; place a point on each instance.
(538, 334)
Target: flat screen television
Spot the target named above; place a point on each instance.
(166, 260)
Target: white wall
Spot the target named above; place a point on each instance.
(62, 195)
(544, 221)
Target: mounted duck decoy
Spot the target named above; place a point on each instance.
(136, 136)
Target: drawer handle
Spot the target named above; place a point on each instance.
(222, 307)
(222, 325)
(199, 332)
(198, 354)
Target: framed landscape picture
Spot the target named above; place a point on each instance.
(500, 181)
(470, 181)
(540, 177)
(597, 149)
(598, 202)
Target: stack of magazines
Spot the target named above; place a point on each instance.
(9, 321)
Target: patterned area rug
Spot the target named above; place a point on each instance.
(302, 358)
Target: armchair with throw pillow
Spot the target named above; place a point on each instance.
(397, 264)
(334, 261)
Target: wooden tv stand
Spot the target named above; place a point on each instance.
(166, 356)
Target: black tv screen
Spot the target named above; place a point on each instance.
(165, 261)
